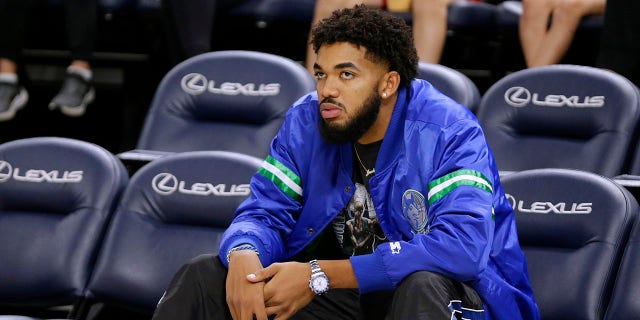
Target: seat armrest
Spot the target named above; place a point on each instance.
(136, 158)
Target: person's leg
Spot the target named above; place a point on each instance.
(81, 25)
(533, 26)
(428, 295)
(14, 17)
(323, 9)
(620, 41)
(77, 90)
(190, 25)
(564, 23)
(337, 304)
(197, 291)
(430, 28)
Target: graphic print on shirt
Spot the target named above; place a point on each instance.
(357, 227)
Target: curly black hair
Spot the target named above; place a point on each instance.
(387, 38)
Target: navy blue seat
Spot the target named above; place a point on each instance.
(452, 83)
(573, 227)
(173, 209)
(562, 116)
(468, 21)
(634, 164)
(472, 14)
(625, 301)
(265, 11)
(56, 198)
(224, 100)
(461, 14)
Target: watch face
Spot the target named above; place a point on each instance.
(320, 284)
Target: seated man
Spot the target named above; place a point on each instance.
(372, 133)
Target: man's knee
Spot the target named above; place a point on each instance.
(205, 268)
(425, 281)
(431, 286)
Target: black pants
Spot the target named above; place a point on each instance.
(198, 292)
(620, 43)
(80, 19)
(190, 25)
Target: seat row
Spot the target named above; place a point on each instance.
(77, 231)
(59, 195)
(564, 116)
(236, 100)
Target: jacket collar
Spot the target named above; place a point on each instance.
(393, 144)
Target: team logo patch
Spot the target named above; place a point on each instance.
(414, 210)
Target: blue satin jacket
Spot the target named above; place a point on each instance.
(436, 191)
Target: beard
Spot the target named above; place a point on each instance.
(354, 128)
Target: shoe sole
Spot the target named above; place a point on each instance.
(18, 102)
(76, 111)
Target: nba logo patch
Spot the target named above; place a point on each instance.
(414, 210)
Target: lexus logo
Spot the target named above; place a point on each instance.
(517, 96)
(5, 171)
(550, 207)
(194, 83)
(164, 183)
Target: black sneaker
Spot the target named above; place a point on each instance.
(74, 96)
(12, 98)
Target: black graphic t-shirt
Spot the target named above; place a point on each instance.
(356, 227)
(355, 230)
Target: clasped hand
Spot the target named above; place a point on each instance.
(280, 289)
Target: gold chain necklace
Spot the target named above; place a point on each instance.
(367, 171)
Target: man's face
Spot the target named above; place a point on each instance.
(347, 87)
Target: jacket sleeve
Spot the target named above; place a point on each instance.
(266, 217)
(461, 227)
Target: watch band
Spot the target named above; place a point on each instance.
(315, 266)
(319, 282)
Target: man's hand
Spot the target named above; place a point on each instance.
(244, 298)
(287, 289)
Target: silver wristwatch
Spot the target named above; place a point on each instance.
(319, 282)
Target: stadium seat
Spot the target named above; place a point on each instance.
(452, 83)
(625, 301)
(562, 116)
(174, 208)
(224, 100)
(634, 164)
(265, 11)
(56, 198)
(573, 227)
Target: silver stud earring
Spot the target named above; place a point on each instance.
(384, 94)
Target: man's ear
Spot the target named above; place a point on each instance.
(389, 84)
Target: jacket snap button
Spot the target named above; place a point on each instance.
(347, 189)
(310, 231)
